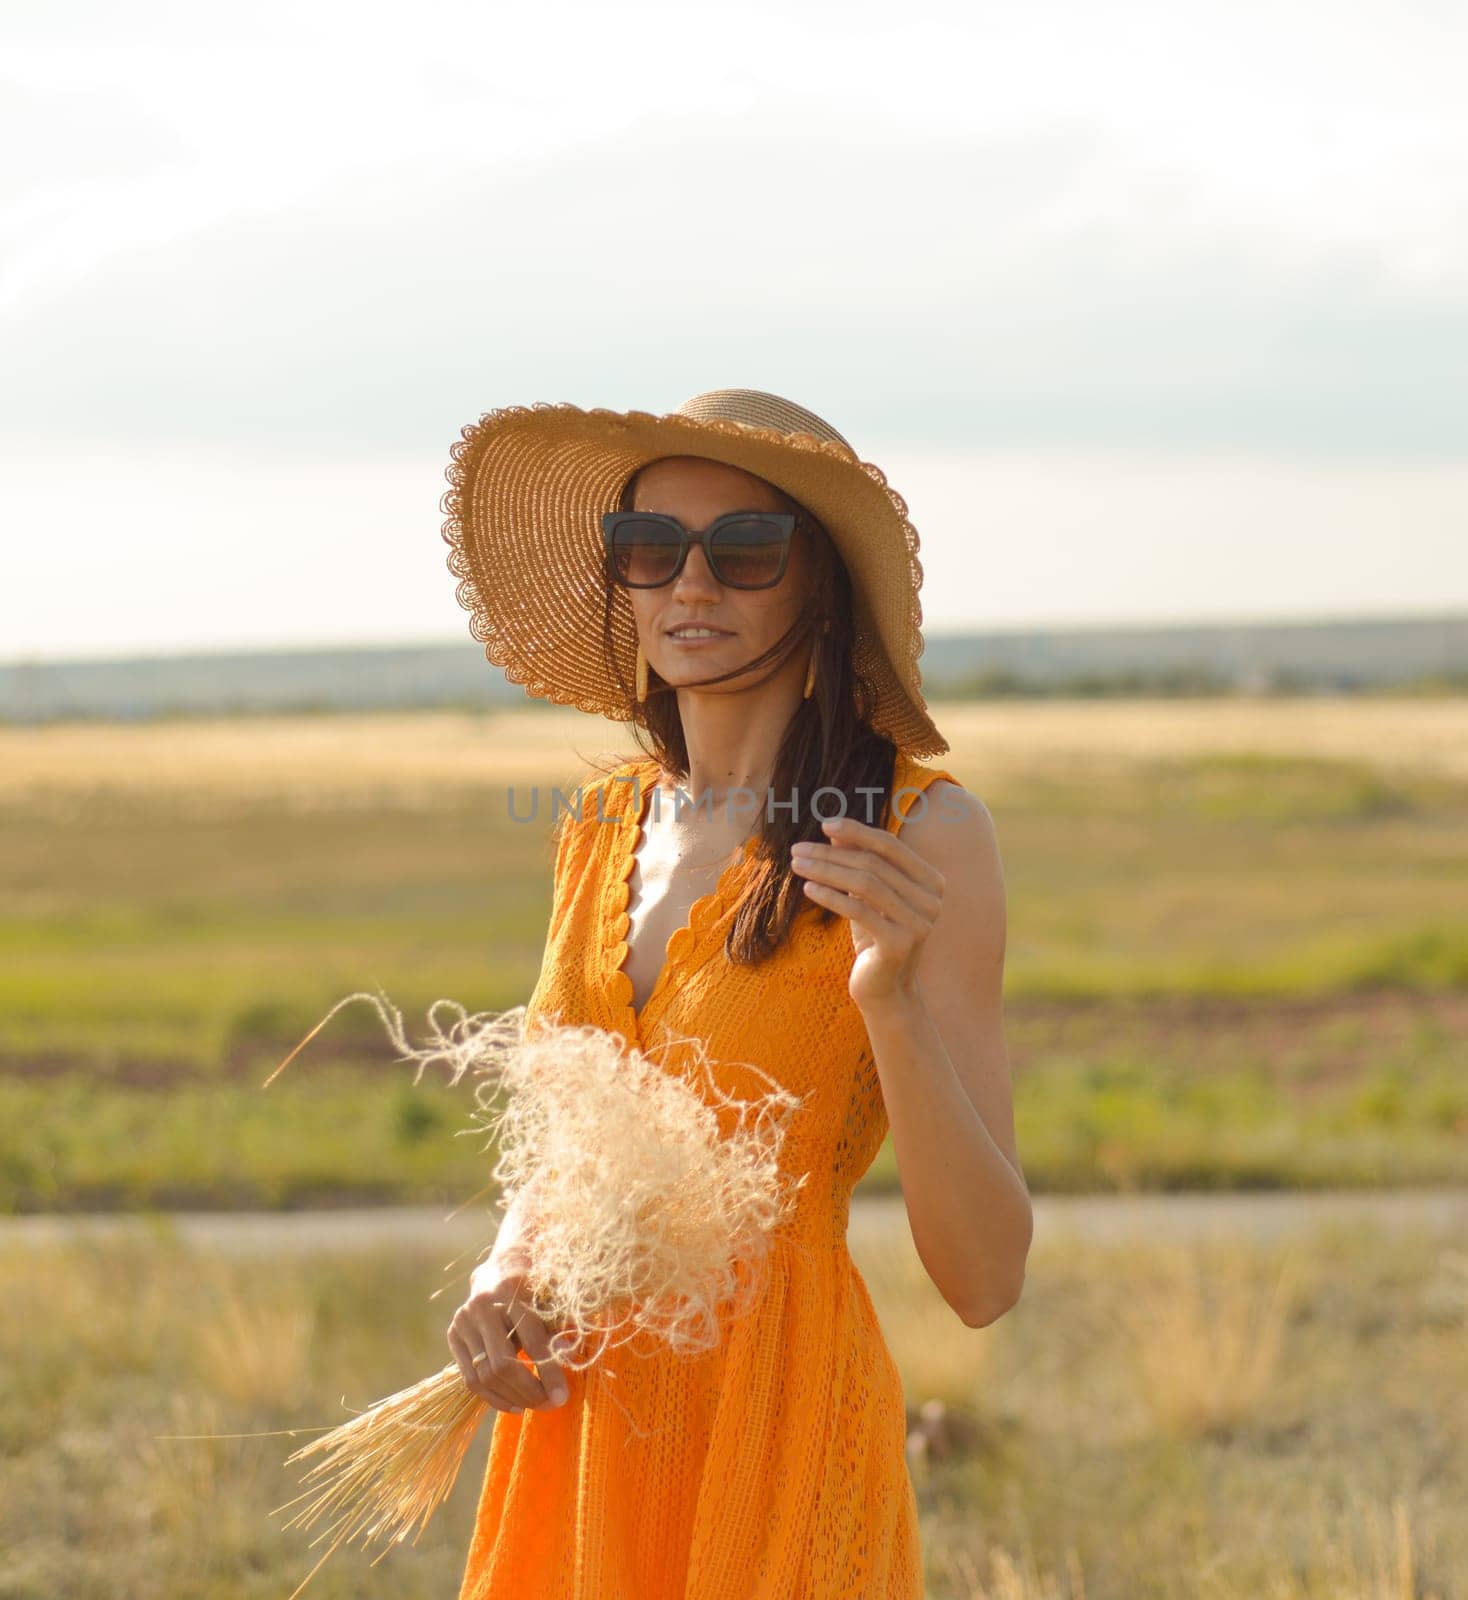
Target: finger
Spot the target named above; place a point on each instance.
(848, 832)
(916, 881)
(473, 1375)
(900, 900)
(535, 1340)
(491, 1318)
(460, 1352)
(889, 935)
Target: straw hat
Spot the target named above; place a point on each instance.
(530, 484)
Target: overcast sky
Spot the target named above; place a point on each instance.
(1151, 313)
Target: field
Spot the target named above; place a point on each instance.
(1227, 1423)
(1238, 950)
(1238, 958)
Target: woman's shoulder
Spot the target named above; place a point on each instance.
(910, 774)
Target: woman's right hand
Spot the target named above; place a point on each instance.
(497, 1311)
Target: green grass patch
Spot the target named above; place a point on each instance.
(157, 961)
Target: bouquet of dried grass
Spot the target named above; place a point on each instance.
(646, 1216)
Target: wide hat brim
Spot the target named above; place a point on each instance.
(523, 522)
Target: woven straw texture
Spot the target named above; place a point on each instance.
(774, 1466)
(523, 522)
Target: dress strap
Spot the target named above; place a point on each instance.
(910, 779)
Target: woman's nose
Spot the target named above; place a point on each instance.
(697, 576)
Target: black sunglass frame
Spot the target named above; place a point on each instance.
(785, 521)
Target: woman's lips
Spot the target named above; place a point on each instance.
(701, 638)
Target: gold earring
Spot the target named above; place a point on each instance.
(810, 671)
(641, 674)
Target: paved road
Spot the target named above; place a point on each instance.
(874, 1221)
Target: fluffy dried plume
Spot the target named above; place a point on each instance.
(651, 1198)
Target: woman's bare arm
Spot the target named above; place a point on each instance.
(511, 1242)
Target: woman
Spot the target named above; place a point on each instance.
(734, 582)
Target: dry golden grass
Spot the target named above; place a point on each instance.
(1391, 734)
(250, 1352)
(428, 759)
(1338, 1470)
(1206, 1332)
(1218, 1419)
(383, 1474)
(1363, 1551)
(419, 760)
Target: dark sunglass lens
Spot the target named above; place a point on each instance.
(748, 553)
(645, 551)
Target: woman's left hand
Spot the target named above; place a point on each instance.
(888, 894)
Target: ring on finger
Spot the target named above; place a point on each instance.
(482, 1356)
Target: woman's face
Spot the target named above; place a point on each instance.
(696, 491)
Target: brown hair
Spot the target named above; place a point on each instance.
(829, 742)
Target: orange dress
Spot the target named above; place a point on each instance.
(773, 1467)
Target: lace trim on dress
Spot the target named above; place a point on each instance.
(704, 916)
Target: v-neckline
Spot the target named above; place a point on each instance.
(703, 914)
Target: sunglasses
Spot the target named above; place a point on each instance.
(744, 549)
